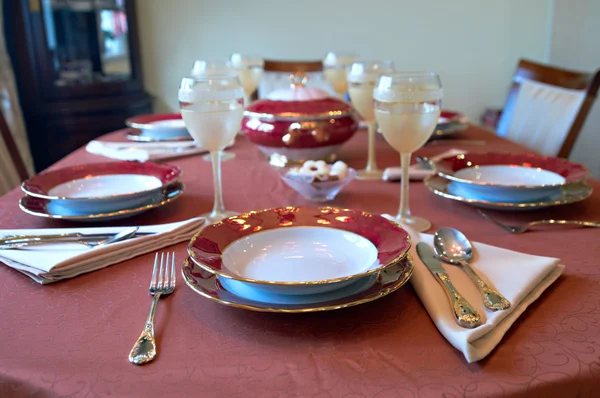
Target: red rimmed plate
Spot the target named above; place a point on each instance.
(101, 181)
(302, 250)
(450, 123)
(53, 209)
(158, 127)
(454, 167)
(363, 290)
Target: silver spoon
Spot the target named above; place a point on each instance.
(123, 235)
(453, 247)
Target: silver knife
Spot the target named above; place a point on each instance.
(66, 237)
(465, 315)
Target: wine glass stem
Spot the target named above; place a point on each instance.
(403, 211)
(218, 207)
(371, 162)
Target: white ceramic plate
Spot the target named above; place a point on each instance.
(106, 186)
(300, 254)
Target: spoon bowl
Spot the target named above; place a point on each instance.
(453, 247)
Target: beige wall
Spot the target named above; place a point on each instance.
(474, 45)
(575, 44)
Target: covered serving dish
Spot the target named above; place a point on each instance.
(298, 124)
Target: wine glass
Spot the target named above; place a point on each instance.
(335, 69)
(407, 108)
(362, 77)
(250, 71)
(212, 109)
(211, 68)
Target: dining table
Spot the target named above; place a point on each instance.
(72, 338)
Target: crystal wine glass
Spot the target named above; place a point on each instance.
(250, 71)
(335, 69)
(407, 109)
(212, 109)
(362, 77)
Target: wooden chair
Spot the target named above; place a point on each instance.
(12, 148)
(587, 83)
(293, 66)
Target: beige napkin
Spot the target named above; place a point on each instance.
(143, 151)
(416, 172)
(520, 277)
(54, 262)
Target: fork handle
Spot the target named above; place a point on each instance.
(144, 349)
(492, 298)
(592, 224)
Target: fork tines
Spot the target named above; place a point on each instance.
(165, 278)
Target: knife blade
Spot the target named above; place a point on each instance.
(464, 313)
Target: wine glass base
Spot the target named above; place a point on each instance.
(369, 174)
(225, 156)
(214, 218)
(416, 223)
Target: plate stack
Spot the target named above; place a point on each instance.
(509, 181)
(298, 259)
(101, 191)
(450, 123)
(157, 128)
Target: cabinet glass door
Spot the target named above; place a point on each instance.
(87, 40)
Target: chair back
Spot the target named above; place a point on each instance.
(14, 156)
(547, 107)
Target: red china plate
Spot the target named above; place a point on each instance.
(51, 209)
(152, 122)
(448, 116)
(208, 285)
(390, 240)
(571, 171)
(43, 185)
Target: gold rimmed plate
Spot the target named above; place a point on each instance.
(299, 250)
(570, 193)
(51, 209)
(363, 290)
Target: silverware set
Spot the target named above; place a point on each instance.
(453, 247)
(89, 240)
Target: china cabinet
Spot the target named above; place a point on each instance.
(78, 71)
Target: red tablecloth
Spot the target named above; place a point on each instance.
(72, 338)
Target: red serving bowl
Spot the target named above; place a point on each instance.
(300, 130)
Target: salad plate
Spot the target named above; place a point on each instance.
(237, 294)
(157, 127)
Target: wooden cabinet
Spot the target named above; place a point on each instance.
(78, 71)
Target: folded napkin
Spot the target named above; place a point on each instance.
(143, 151)
(416, 172)
(521, 278)
(53, 262)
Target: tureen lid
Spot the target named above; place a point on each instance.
(299, 102)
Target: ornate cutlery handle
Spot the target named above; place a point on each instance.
(492, 299)
(465, 314)
(144, 349)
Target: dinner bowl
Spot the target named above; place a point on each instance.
(507, 177)
(299, 250)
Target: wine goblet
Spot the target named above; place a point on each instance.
(407, 109)
(335, 70)
(250, 71)
(362, 77)
(212, 109)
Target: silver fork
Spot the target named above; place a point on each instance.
(519, 229)
(162, 283)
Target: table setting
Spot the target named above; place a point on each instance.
(357, 243)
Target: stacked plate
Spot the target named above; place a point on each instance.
(101, 191)
(157, 128)
(509, 181)
(450, 123)
(298, 259)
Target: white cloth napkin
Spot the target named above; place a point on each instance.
(520, 277)
(416, 172)
(143, 151)
(54, 262)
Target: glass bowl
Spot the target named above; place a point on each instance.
(316, 191)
